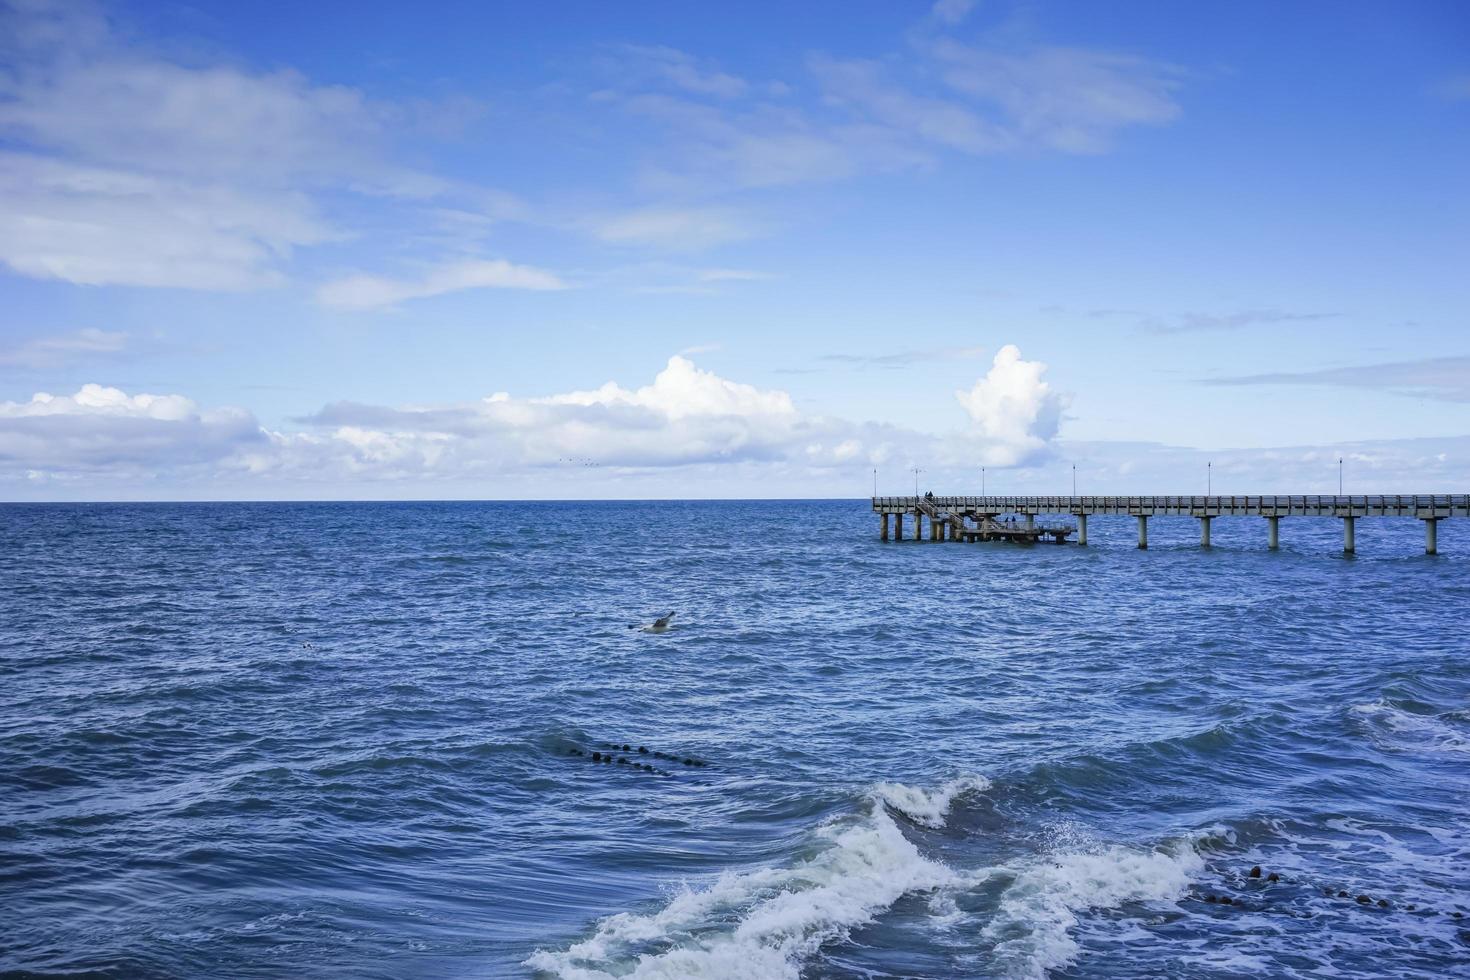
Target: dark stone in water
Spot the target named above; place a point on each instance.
(622, 761)
(1342, 894)
(688, 762)
(626, 749)
(1383, 903)
(1256, 871)
(1458, 914)
(1226, 900)
(643, 749)
(597, 757)
(1273, 876)
(1211, 899)
(1364, 900)
(1410, 906)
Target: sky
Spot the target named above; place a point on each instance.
(659, 249)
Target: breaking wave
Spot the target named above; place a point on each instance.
(1435, 732)
(764, 924)
(1038, 913)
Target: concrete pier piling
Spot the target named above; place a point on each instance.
(1015, 518)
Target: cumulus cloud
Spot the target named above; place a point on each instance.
(104, 430)
(1014, 412)
(366, 292)
(685, 417)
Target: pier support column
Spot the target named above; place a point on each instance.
(918, 526)
(1273, 532)
(1142, 531)
(884, 535)
(936, 530)
(1431, 536)
(898, 527)
(1082, 530)
(1204, 532)
(1349, 535)
(1030, 521)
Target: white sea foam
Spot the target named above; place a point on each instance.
(1429, 731)
(1033, 926)
(928, 807)
(764, 924)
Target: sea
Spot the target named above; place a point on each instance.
(408, 740)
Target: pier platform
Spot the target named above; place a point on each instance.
(978, 518)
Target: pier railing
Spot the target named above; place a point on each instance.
(1380, 505)
(1429, 508)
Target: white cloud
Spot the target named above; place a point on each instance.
(366, 292)
(103, 226)
(682, 390)
(127, 168)
(951, 11)
(685, 417)
(1015, 413)
(1067, 99)
(878, 116)
(50, 352)
(684, 71)
(862, 87)
(105, 430)
(1455, 88)
(676, 228)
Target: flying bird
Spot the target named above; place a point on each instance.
(660, 625)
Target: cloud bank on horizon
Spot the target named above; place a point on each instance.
(322, 246)
(685, 417)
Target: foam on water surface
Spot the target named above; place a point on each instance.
(765, 923)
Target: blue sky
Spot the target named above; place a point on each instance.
(277, 250)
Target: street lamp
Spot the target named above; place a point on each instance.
(1074, 479)
(875, 484)
(1209, 477)
(1339, 476)
(917, 471)
(982, 481)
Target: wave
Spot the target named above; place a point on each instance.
(1436, 732)
(1038, 912)
(927, 807)
(764, 924)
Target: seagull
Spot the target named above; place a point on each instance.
(660, 625)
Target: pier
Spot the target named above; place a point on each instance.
(979, 518)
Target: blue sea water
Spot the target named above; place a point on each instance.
(337, 740)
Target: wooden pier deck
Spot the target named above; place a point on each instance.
(977, 518)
